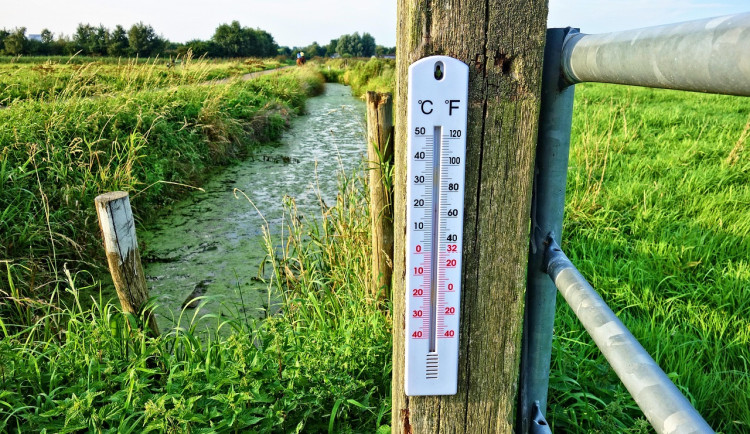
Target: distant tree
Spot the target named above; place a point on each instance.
(47, 36)
(83, 38)
(350, 45)
(46, 45)
(118, 42)
(234, 40)
(200, 48)
(284, 51)
(381, 51)
(231, 39)
(16, 43)
(368, 45)
(99, 40)
(331, 47)
(143, 40)
(64, 45)
(266, 46)
(34, 47)
(3, 34)
(313, 50)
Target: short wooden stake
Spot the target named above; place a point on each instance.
(380, 157)
(120, 243)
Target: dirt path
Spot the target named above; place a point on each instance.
(250, 75)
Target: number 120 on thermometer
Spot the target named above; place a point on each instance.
(437, 106)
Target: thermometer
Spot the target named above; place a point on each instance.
(437, 107)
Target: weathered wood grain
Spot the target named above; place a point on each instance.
(503, 43)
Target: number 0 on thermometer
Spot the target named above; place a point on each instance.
(437, 106)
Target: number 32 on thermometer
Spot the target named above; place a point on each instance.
(437, 104)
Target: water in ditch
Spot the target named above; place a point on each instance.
(212, 243)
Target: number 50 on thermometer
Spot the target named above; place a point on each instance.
(437, 107)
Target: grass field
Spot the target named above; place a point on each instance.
(63, 78)
(657, 219)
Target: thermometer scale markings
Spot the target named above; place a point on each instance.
(436, 150)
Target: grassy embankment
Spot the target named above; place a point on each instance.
(375, 74)
(63, 78)
(57, 155)
(322, 365)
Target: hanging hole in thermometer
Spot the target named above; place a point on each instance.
(437, 108)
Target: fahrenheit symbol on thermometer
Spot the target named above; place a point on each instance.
(437, 105)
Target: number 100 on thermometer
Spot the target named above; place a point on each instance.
(437, 105)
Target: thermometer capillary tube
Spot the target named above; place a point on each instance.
(434, 266)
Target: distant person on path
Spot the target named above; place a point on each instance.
(300, 58)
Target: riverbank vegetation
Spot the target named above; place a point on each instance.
(62, 78)
(58, 154)
(378, 75)
(323, 364)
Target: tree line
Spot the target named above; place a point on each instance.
(352, 45)
(228, 40)
(139, 40)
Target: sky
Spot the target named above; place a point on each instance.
(300, 22)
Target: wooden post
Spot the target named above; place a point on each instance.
(503, 43)
(124, 259)
(380, 156)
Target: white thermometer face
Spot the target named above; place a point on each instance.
(437, 107)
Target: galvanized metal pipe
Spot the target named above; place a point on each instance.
(665, 407)
(548, 204)
(710, 55)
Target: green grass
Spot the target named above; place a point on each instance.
(71, 363)
(323, 365)
(362, 75)
(55, 157)
(62, 78)
(658, 220)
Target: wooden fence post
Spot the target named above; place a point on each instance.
(380, 157)
(124, 259)
(503, 43)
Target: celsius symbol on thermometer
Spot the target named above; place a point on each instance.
(437, 107)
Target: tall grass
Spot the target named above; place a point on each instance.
(374, 74)
(54, 80)
(321, 365)
(657, 219)
(57, 156)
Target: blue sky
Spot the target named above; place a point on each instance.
(300, 22)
